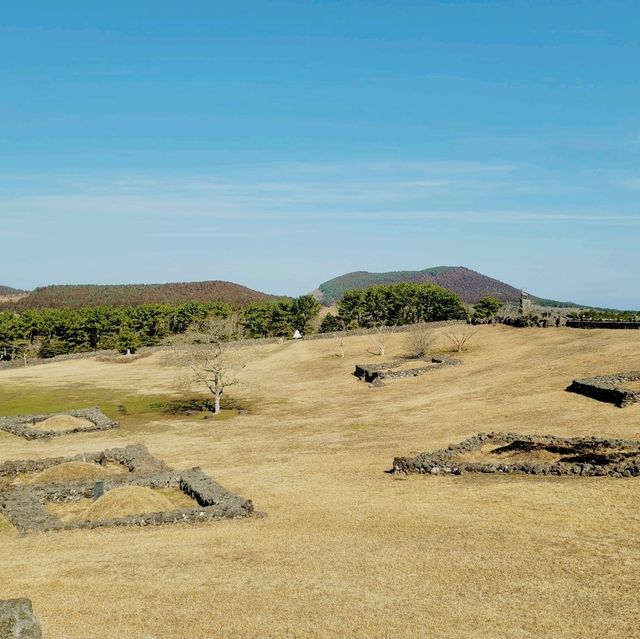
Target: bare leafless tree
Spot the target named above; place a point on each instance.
(379, 336)
(419, 342)
(340, 334)
(460, 337)
(214, 360)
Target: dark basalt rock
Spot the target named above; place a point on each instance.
(583, 456)
(608, 388)
(376, 373)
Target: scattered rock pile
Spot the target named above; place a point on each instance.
(529, 454)
(608, 388)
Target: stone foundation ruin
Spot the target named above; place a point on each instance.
(375, 373)
(82, 420)
(24, 503)
(529, 454)
(608, 388)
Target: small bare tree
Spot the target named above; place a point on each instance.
(419, 342)
(381, 331)
(461, 337)
(340, 335)
(213, 358)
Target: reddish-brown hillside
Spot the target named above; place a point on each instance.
(86, 295)
(469, 285)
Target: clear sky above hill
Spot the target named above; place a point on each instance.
(278, 144)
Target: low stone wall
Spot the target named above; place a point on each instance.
(19, 363)
(584, 456)
(23, 425)
(136, 458)
(375, 373)
(25, 505)
(608, 388)
(602, 324)
(17, 620)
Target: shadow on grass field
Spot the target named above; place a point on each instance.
(134, 412)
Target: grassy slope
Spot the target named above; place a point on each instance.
(346, 549)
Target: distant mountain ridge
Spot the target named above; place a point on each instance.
(88, 295)
(469, 285)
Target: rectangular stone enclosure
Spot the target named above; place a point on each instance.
(81, 420)
(25, 504)
(529, 454)
(609, 388)
(375, 373)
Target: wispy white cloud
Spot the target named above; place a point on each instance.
(370, 192)
(629, 183)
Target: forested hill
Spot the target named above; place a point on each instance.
(469, 285)
(124, 295)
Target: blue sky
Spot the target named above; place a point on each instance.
(279, 144)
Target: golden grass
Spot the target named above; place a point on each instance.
(348, 550)
(128, 500)
(58, 423)
(72, 471)
(121, 502)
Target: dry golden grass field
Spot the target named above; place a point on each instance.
(346, 550)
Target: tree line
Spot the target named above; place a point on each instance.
(46, 333)
(394, 305)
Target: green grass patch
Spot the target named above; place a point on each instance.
(135, 412)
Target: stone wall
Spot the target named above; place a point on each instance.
(136, 458)
(375, 373)
(24, 425)
(601, 324)
(24, 505)
(608, 388)
(584, 456)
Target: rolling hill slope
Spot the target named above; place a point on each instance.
(469, 285)
(87, 295)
